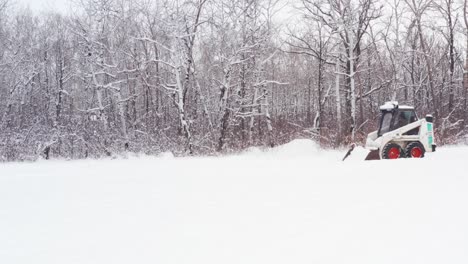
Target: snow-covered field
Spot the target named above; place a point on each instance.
(294, 204)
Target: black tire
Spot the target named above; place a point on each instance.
(392, 151)
(415, 150)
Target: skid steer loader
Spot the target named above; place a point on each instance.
(401, 134)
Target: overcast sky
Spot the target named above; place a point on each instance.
(44, 5)
(64, 6)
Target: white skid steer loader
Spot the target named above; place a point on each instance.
(401, 134)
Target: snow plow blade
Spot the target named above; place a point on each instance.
(373, 155)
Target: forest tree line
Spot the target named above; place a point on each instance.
(215, 76)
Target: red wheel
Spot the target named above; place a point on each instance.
(392, 151)
(415, 150)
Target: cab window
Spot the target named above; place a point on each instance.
(386, 122)
(404, 118)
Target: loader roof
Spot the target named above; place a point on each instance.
(406, 107)
(394, 105)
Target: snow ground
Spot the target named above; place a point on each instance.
(294, 204)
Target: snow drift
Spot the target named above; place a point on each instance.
(293, 204)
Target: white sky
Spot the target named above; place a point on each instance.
(44, 5)
(286, 13)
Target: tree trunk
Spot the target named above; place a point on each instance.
(224, 109)
(338, 98)
(352, 86)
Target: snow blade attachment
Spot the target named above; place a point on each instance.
(351, 148)
(373, 155)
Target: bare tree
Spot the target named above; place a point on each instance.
(418, 8)
(349, 21)
(200, 76)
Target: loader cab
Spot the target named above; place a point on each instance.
(394, 117)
